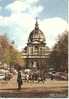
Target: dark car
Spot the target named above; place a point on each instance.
(60, 76)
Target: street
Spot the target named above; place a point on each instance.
(50, 88)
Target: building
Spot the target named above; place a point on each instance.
(36, 52)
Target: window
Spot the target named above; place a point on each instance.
(36, 50)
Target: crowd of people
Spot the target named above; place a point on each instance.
(29, 77)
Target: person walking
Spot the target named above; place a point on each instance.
(19, 80)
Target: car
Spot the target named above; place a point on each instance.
(2, 76)
(60, 76)
(5, 74)
(23, 76)
(8, 76)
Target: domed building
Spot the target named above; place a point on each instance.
(36, 52)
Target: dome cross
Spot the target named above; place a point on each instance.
(36, 24)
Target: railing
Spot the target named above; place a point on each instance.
(35, 56)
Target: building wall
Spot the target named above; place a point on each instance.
(36, 55)
(37, 52)
(39, 62)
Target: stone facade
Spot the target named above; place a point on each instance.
(36, 52)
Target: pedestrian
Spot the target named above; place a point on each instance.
(19, 80)
(52, 77)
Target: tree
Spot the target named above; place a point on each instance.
(4, 45)
(8, 53)
(58, 58)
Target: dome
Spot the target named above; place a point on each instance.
(36, 36)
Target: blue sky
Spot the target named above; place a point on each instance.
(17, 19)
(52, 8)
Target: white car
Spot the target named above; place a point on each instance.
(2, 76)
(5, 75)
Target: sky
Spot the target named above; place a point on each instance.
(18, 17)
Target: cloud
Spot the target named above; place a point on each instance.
(26, 6)
(53, 27)
(19, 28)
(22, 20)
(16, 7)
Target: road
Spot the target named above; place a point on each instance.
(51, 88)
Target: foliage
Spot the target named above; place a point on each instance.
(58, 58)
(8, 53)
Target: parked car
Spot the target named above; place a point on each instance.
(2, 76)
(61, 76)
(23, 76)
(13, 71)
(5, 74)
(8, 76)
